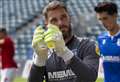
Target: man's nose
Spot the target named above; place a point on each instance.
(60, 22)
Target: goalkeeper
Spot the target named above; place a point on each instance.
(59, 55)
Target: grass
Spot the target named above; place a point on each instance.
(18, 79)
(100, 80)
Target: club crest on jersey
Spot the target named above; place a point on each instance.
(118, 42)
(104, 41)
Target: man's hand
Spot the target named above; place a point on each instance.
(54, 35)
(39, 46)
(51, 35)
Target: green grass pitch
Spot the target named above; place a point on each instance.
(18, 79)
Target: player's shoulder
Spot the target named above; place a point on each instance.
(103, 35)
(8, 39)
(82, 39)
(86, 41)
(118, 35)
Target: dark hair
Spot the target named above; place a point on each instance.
(53, 5)
(3, 30)
(109, 7)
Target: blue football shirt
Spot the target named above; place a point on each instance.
(110, 51)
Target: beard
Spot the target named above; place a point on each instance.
(66, 31)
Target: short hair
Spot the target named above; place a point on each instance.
(3, 30)
(109, 7)
(53, 5)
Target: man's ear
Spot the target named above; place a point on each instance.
(46, 22)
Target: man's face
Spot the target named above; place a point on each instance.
(107, 20)
(60, 18)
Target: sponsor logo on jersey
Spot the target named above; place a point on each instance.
(61, 75)
(111, 58)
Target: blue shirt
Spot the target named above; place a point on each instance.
(110, 51)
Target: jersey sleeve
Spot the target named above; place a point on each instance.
(86, 66)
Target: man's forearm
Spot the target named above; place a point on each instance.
(85, 71)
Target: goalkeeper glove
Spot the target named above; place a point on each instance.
(54, 36)
(39, 46)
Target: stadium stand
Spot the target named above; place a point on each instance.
(21, 16)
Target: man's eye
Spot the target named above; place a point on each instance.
(53, 21)
(64, 17)
(104, 18)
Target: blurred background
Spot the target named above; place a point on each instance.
(21, 16)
